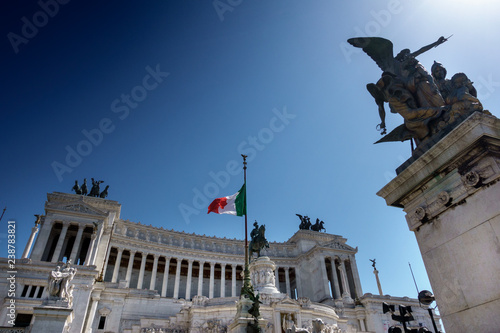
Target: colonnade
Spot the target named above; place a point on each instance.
(342, 277)
(179, 277)
(75, 242)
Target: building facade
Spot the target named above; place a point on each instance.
(134, 278)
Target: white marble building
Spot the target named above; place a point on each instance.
(134, 278)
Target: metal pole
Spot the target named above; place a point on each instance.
(246, 276)
(432, 318)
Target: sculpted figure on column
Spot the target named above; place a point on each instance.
(428, 103)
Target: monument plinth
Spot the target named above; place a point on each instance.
(262, 275)
(451, 196)
(51, 319)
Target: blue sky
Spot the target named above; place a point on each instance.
(160, 99)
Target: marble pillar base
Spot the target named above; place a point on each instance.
(51, 319)
(262, 275)
(451, 197)
(239, 325)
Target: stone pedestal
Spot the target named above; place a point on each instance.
(243, 318)
(451, 196)
(262, 275)
(51, 319)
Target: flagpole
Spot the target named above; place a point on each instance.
(246, 277)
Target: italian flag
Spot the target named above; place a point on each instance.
(235, 204)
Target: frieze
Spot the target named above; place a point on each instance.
(339, 246)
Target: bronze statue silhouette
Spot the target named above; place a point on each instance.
(76, 188)
(318, 226)
(95, 191)
(84, 188)
(104, 193)
(305, 222)
(404, 83)
(258, 241)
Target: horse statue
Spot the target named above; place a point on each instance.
(95, 191)
(104, 193)
(258, 241)
(318, 226)
(84, 188)
(76, 188)
(305, 222)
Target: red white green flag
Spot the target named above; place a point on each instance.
(235, 204)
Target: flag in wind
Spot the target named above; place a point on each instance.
(235, 204)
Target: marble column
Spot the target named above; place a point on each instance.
(27, 249)
(152, 283)
(287, 280)
(212, 280)
(165, 278)
(189, 277)
(277, 278)
(90, 318)
(335, 280)
(60, 242)
(298, 283)
(355, 276)
(105, 267)
(88, 258)
(343, 277)
(324, 277)
(200, 279)
(141, 271)
(76, 245)
(129, 268)
(28, 291)
(177, 278)
(233, 280)
(222, 280)
(117, 265)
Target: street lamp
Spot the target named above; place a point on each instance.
(426, 298)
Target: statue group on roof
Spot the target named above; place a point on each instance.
(95, 191)
(305, 224)
(428, 102)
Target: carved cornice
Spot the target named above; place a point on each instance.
(426, 205)
(473, 139)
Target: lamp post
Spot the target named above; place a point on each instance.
(426, 298)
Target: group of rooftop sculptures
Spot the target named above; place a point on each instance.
(94, 191)
(305, 224)
(428, 103)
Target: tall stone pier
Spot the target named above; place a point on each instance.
(451, 197)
